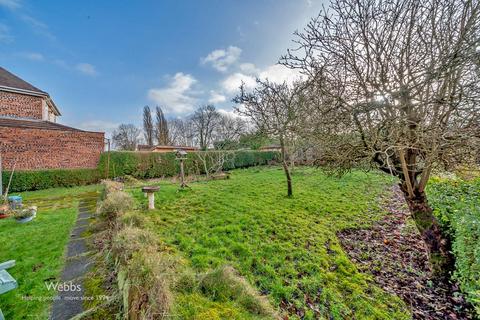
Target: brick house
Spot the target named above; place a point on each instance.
(30, 136)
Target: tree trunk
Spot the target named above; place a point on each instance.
(289, 178)
(439, 246)
(286, 169)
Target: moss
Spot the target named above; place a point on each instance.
(196, 306)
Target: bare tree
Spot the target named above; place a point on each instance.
(162, 130)
(397, 85)
(126, 137)
(229, 128)
(205, 121)
(161, 127)
(148, 130)
(182, 132)
(276, 110)
(214, 161)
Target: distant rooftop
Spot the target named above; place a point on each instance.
(143, 147)
(9, 80)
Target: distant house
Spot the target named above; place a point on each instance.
(144, 147)
(164, 149)
(271, 147)
(31, 138)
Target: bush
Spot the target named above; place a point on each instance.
(116, 203)
(44, 179)
(130, 240)
(225, 284)
(457, 205)
(111, 186)
(146, 274)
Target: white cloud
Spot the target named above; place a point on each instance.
(275, 73)
(34, 56)
(5, 35)
(248, 68)
(278, 73)
(222, 59)
(98, 125)
(231, 83)
(231, 113)
(86, 69)
(10, 4)
(216, 97)
(177, 97)
(234, 114)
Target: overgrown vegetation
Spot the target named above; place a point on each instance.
(153, 279)
(456, 203)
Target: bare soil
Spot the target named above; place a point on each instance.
(394, 253)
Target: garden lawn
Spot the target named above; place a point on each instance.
(286, 248)
(38, 248)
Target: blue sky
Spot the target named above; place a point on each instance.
(102, 61)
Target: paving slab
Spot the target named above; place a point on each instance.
(82, 223)
(76, 247)
(77, 232)
(84, 215)
(69, 303)
(76, 267)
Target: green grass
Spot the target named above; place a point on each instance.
(38, 248)
(286, 248)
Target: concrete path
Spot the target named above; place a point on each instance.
(69, 303)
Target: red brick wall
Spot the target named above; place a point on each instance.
(37, 149)
(20, 105)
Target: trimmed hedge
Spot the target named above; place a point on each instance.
(147, 165)
(44, 179)
(141, 165)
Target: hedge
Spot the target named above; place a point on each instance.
(44, 179)
(141, 165)
(456, 203)
(146, 165)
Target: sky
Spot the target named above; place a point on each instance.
(103, 61)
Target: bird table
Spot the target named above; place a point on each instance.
(150, 192)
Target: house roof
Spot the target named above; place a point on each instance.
(12, 83)
(174, 147)
(144, 147)
(9, 80)
(35, 124)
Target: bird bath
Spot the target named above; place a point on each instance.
(150, 192)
